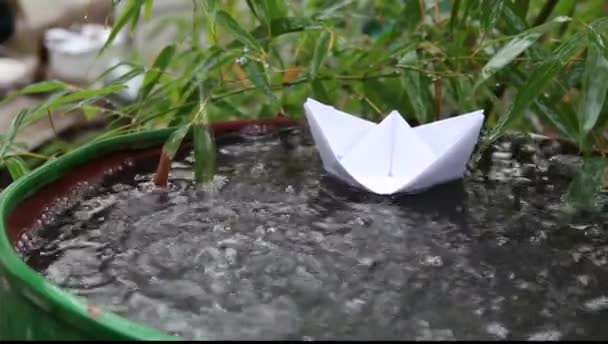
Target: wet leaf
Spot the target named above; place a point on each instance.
(204, 153)
(291, 74)
(10, 134)
(319, 92)
(536, 83)
(267, 10)
(584, 189)
(130, 13)
(17, 168)
(412, 13)
(148, 7)
(89, 112)
(256, 74)
(172, 144)
(161, 63)
(320, 53)
(79, 95)
(521, 8)
(515, 47)
(595, 88)
(237, 30)
(491, 10)
(454, 14)
(560, 119)
(42, 87)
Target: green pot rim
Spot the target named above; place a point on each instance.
(64, 305)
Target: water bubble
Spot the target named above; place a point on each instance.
(597, 304)
(547, 335)
(498, 330)
(432, 261)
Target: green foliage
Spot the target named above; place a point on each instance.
(525, 62)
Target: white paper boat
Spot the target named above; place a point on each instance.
(391, 157)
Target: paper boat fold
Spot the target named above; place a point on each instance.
(392, 157)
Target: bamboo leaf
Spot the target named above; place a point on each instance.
(236, 30)
(267, 10)
(130, 13)
(515, 47)
(148, 6)
(594, 89)
(320, 53)
(412, 13)
(210, 7)
(204, 153)
(79, 95)
(491, 10)
(521, 8)
(256, 74)
(560, 120)
(42, 87)
(161, 63)
(10, 134)
(536, 83)
(89, 112)
(17, 168)
(174, 141)
(454, 14)
(319, 92)
(585, 187)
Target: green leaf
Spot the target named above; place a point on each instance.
(79, 95)
(319, 92)
(267, 10)
(256, 74)
(559, 119)
(514, 22)
(42, 87)
(415, 87)
(521, 8)
(454, 14)
(599, 40)
(491, 10)
(10, 134)
(320, 53)
(236, 30)
(174, 141)
(536, 83)
(278, 27)
(89, 111)
(210, 7)
(204, 153)
(17, 168)
(148, 6)
(130, 13)
(158, 68)
(595, 88)
(587, 184)
(515, 47)
(411, 15)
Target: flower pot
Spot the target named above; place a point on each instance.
(31, 308)
(492, 256)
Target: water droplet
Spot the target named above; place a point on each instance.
(597, 304)
(432, 261)
(498, 330)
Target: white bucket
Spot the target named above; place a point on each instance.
(73, 54)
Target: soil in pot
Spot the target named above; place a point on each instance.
(276, 249)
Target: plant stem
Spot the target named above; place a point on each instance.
(545, 12)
